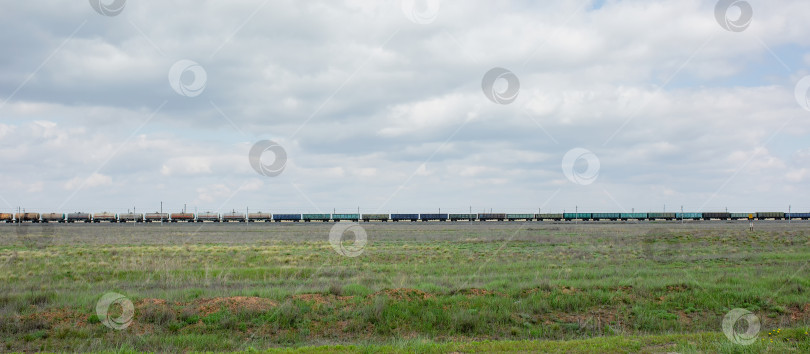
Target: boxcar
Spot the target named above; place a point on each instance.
(134, 217)
(575, 216)
(78, 216)
(156, 217)
(606, 216)
(457, 217)
(738, 216)
(798, 216)
(491, 216)
(433, 217)
(350, 217)
(105, 216)
(259, 216)
(208, 216)
(53, 217)
(7, 217)
(661, 216)
(286, 217)
(187, 217)
(770, 215)
(688, 216)
(513, 217)
(374, 217)
(721, 216)
(555, 217)
(317, 217)
(404, 217)
(636, 216)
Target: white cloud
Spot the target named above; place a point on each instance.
(94, 180)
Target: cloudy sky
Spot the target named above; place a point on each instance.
(395, 106)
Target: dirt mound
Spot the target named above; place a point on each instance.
(320, 298)
(403, 294)
(799, 312)
(233, 304)
(471, 292)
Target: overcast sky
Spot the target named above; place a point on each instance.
(387, 105)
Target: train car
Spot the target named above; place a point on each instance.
(316, 217)
(434, 217)
(797, 216)
(491, 216)
(27, 217)
(6, 217)
(233, 217)
(577, 216)
(52, 217)
(156, 217)
(606, 216)
(513, 217)
(208, 216)
(259, 216)
(770, 215)
(467, 217)
(717, 215)
(548, 216)
(661, 216)
(176, 217)
(689, 216)
(349, 217)
(79, 216)
(739, 216)
(105, 216)
(286, 217)
(634, 216)
(130, 217)
(404, 217)
(375, 217)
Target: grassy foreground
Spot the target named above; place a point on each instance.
(416, 287)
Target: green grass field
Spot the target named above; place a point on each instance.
(652, 287)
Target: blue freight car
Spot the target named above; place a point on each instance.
(433, 217)
(405, 217)
(286, 217)
(798, 216)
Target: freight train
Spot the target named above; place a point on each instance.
(268, 217)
